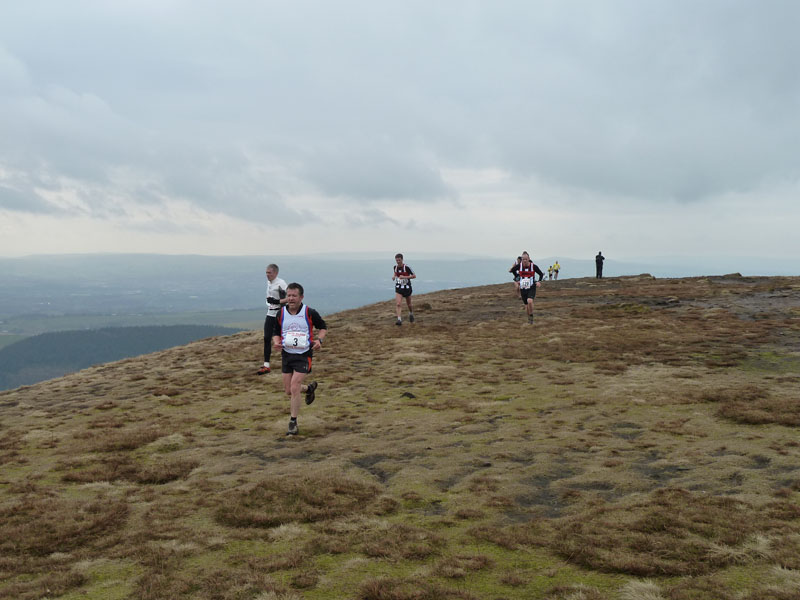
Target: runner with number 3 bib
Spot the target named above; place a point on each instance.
(295, 338)
(528, 283)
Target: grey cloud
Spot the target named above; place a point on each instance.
(23, 201)
(374, 172)
(369, 217)
(669, 103)
(14, 76)
(238, 107)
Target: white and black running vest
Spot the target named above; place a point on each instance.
(297, 334)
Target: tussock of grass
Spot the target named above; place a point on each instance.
(123, 468)
(164, 471)
(327, 544)
(574, 592)
(305, 580)
(671, 532)
(457, 567)
(50, 585)
(780, 410)
(162, 577)
(10, 446)
(705, 587)
(469, 514)
(11, 440)
(483, 483)
(641, 590)
(755, 405)
(224, 584)
(402, 589)
(399, 542)
(511, 537)
(296, 498)
(38, 526)
(745, 393)
(107, 422)
(514, 578)
(785, 552)
(129, 439)
(293, 559)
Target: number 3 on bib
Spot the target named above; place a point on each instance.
(295, 340)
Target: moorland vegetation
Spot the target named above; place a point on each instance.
(639, 441)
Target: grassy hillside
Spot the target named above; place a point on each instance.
(639, 441)
(51, 355)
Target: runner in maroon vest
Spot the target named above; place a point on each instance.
(528, 283)
(402, 288)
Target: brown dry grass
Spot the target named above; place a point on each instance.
(400, 589)
(38, 526)
(459, 566)
(117, 467)
(671, 532)
(295, 498)
(640, 438)
(114, 440)
(399, 542)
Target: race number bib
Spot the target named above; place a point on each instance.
(526, 283)
(295, 340)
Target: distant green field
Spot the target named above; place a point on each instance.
(23, 326)
(6, 339)
(53, 354)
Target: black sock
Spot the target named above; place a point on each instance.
(293, 418)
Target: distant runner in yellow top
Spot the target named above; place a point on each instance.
(556, 269)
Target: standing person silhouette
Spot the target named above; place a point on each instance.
(598, 261)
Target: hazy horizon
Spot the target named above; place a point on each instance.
(153, 283)
(697, 265)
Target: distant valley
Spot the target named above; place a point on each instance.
(51, 355)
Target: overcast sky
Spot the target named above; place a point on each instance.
(636, 127)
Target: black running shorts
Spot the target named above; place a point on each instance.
(295, 363)
(405, 292)
(528, 293)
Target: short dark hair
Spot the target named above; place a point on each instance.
(295, 286)
(273, 266)
(398, 255)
